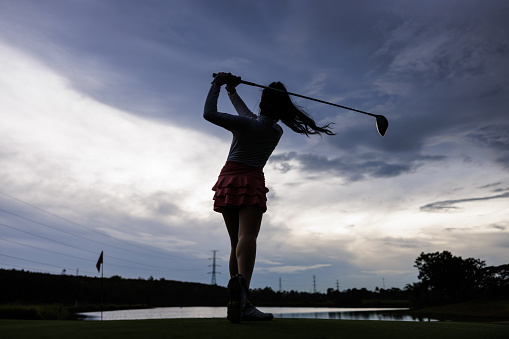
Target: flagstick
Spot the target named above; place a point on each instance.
(102, 290)
(98, 266)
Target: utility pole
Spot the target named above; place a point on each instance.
(314, 284)
(213, 282)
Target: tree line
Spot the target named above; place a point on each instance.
(22, 287)
(86, 292)
(443, 278)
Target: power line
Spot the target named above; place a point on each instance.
(148, 267)
(71, 233)
(33, 269)
(91, 230)
(43, 249)
(82, 249)
(42, 237)
(32, 261)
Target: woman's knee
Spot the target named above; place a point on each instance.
(248, 237)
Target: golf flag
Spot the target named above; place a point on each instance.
(99, 262)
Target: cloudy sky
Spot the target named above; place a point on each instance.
(103, 145)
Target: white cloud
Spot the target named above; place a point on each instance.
(293, 269)
(64, 150)
(387, 272)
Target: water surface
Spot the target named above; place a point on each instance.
(279, 312)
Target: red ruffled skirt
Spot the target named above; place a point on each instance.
(240, 185)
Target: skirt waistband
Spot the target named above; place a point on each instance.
(237, 168)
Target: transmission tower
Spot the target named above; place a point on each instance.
(314, 284)
(280, 286)
(214, 258)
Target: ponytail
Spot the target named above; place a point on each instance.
(278, 105)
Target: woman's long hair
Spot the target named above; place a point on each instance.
(278, 105)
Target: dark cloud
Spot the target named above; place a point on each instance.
(498, 227)
(495, 184)
(435, 77)
(491, 185)
(504, 160)
(160, 203)
(353, 169)
(494, 138)
(390, 170)
(448, 205)
(404, 243)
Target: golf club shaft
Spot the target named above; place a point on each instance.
(303, 96)
(309, 98)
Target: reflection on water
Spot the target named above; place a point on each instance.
(355, 315)
(279, 312)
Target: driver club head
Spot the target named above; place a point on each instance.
(381, 124)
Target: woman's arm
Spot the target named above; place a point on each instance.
(240, 106)
(228, 121)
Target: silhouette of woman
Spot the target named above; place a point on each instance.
(240, 192)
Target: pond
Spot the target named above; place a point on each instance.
(279, 312)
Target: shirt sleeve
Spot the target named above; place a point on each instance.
(240, 106)
(225, 120)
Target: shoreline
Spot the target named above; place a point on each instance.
(476, 311)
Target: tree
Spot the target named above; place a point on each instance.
(448, 276)
(496, 280)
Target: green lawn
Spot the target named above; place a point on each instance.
(221, 328)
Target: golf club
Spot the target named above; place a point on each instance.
(381, 122)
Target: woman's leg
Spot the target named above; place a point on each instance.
(250, 219)
(231, 220)
(243, 225)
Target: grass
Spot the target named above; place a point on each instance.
(220, 328)
(36, 312)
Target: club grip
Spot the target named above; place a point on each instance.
(240, 79)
